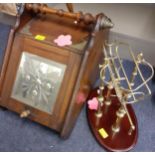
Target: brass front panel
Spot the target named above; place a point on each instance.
(38, 81)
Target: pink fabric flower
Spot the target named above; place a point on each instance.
(63, 40)
(93, 104)
(80, 98)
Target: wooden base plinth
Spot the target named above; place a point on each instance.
(116, 141)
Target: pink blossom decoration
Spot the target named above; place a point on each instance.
(63, 40)
(80, 98)
(93, 104)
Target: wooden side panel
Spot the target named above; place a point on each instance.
(89, 75)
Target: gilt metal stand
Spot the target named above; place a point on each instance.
(110, 114)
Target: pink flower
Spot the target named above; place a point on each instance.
(80, 98)
(63, 40)
(93, 104)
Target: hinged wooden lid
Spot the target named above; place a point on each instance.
(52, 26)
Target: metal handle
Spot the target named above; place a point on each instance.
(25, 113)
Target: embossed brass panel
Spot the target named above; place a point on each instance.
(38, 81)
